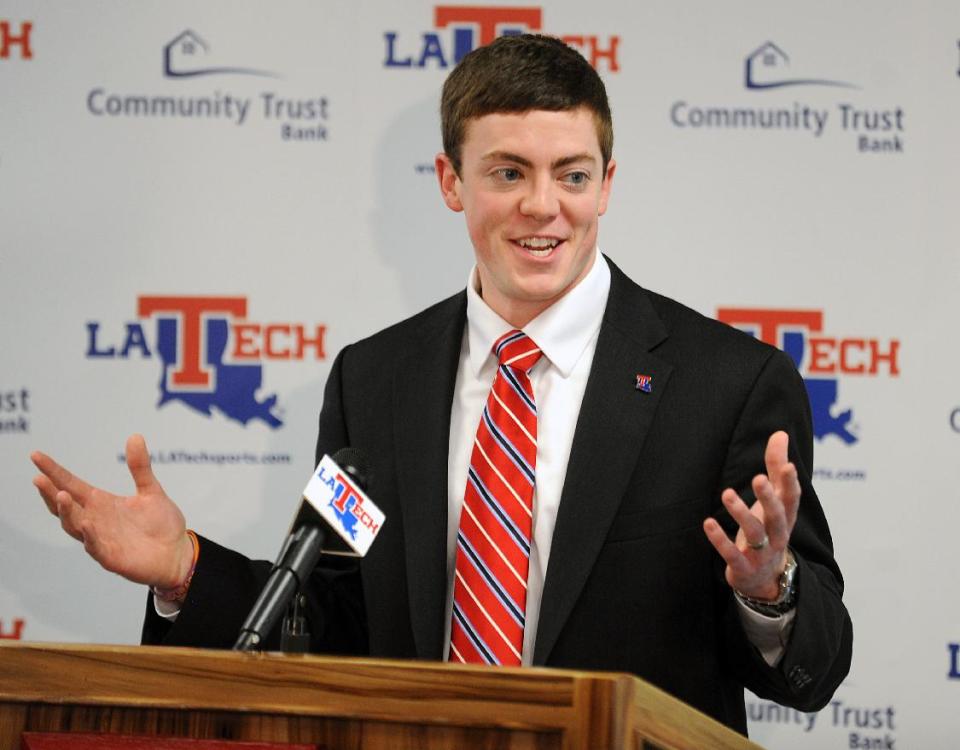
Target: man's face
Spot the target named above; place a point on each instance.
(532, 189)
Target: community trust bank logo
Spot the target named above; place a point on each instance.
(15, 411)
(774, 85)
(821, 359)
(211, 355)
(459, 29)
(188, 61)
(865, 727)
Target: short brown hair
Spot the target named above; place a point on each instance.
(519, 74)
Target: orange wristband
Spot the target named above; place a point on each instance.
(179, 593)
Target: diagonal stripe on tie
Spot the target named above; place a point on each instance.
(480, 500)
(496, 523)
(492, 475)
(492, 543)
(485, 574)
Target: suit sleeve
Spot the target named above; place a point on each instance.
(226, 584)
(817, 656)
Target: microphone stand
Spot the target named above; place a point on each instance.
(297, 559)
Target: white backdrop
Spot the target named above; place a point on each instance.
(280, 156)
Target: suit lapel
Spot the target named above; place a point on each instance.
(423, 395)
(613, 423)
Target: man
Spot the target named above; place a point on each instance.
(567, 529)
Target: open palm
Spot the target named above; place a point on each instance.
(141, 537)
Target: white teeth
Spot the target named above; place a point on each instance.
(544, 244)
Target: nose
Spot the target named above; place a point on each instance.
(540, 201)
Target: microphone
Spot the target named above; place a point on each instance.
(335, 517)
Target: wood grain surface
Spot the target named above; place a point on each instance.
(337, 703)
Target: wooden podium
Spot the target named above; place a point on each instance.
(335, 703)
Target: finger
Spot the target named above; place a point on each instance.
(47, 491)
(69, 514)
(750, 525)
(729, 551)
(63, 479)
(790, 492)
(91, 542)
(775, 456)
(774, 513)
(138, 462)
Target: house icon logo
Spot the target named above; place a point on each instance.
(768, 67)
(187, 55)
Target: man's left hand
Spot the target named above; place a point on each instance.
(757, 557)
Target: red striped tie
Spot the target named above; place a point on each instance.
(493, 544)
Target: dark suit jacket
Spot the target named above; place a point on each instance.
(632, 582)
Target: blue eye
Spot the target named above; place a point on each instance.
(508, 174)
(577, 178)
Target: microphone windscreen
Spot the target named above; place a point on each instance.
(355, 463)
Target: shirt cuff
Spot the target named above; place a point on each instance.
(769, 635)
(167, 610)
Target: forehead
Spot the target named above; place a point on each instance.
(533, 132)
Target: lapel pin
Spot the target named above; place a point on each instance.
(644, 383)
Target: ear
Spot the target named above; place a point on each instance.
(605, 187)
(449, 182)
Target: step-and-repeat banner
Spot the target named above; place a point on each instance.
(202, 203)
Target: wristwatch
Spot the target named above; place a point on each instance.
(787, 598)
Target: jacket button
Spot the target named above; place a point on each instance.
(800, 677)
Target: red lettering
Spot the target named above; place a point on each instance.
(589, 47)
(357, 510)
(302, 342)
(821, 350)
(245, 341)
(15, 634)
(846, 346)
(486, 19)
(189, 371)
(770, 322)
(7, 40)
(341, 502)
(890, 357)
(274, 352)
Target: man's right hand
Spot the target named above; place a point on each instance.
(141, 537)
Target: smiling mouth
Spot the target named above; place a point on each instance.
(539, 247)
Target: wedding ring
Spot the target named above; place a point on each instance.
(761, 544)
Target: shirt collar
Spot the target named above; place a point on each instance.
(562, 331)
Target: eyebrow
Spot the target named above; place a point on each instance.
(563, 161)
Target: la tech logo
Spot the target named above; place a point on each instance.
(821, 359)
(15, 40)
(459, 29)
(211, 353)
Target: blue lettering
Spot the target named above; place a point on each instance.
(954, 649)
(91, 105)
(92, 349)
(462, 43)
(135, 340)
(327, 480)
(432, 48)
(955, 419)
(392, 62)
(675, 114)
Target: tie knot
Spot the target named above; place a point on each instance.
(517, 350)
